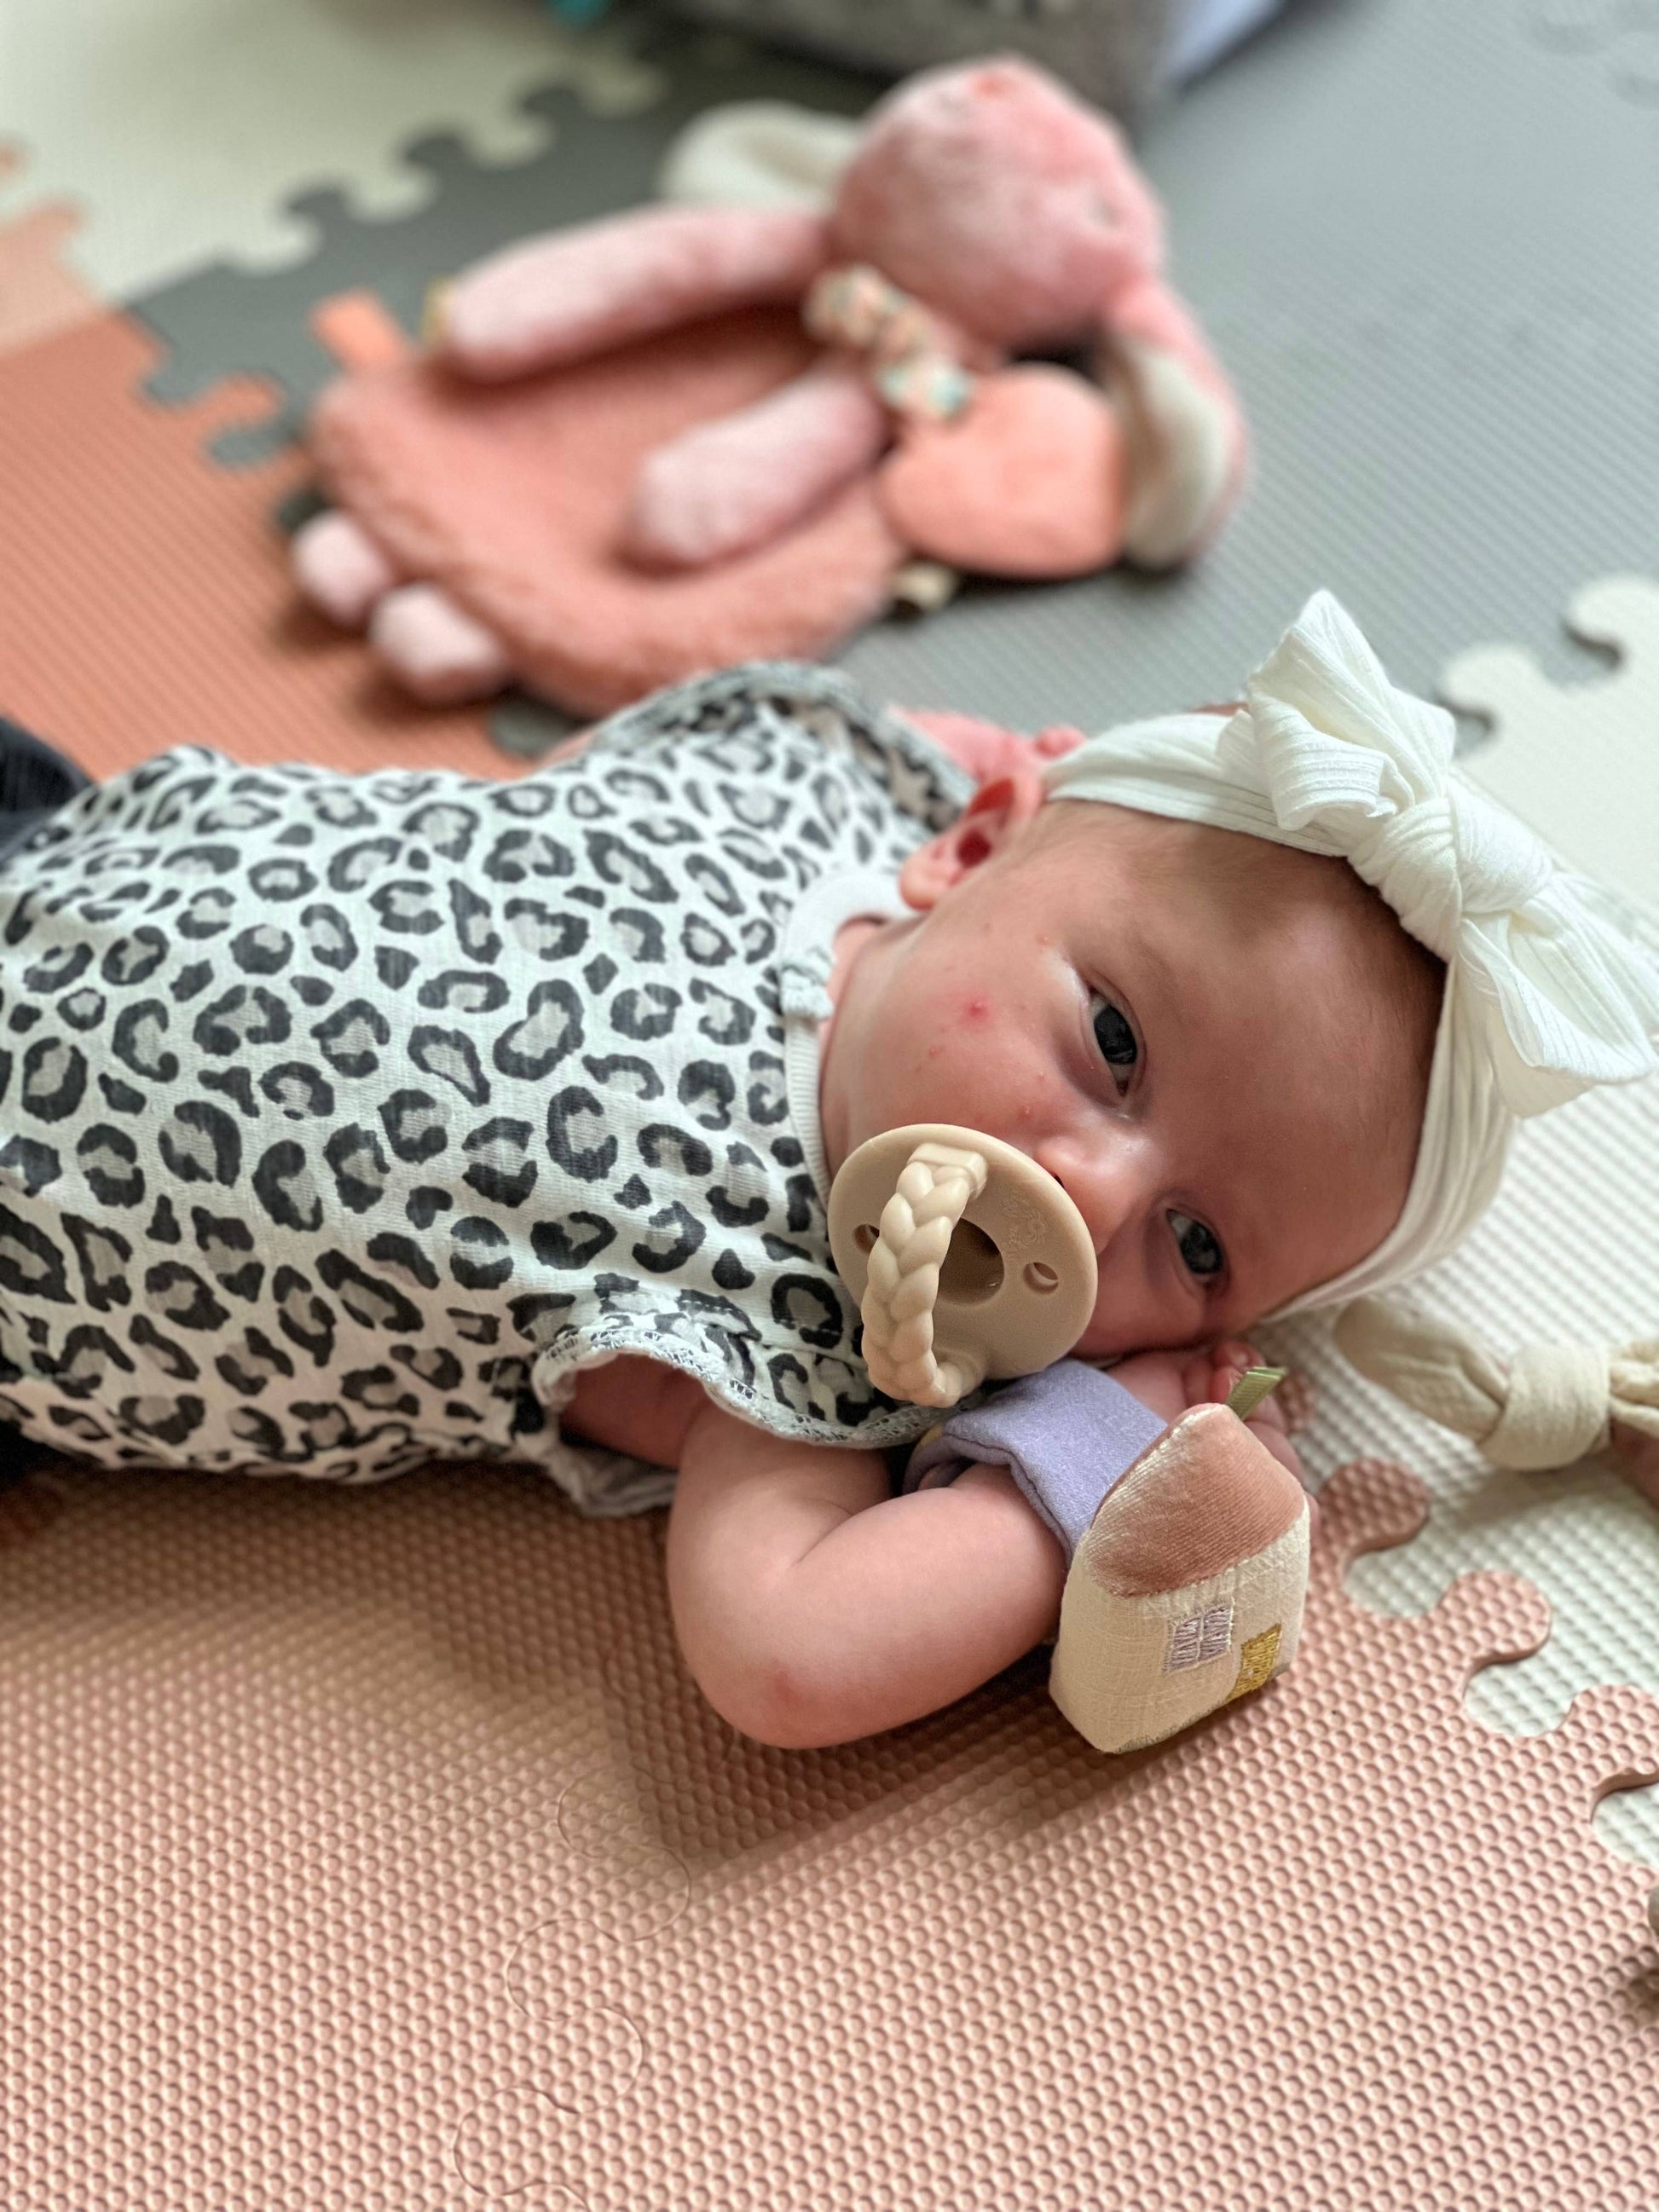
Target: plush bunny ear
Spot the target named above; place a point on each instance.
(1182, 427)
(1181, 446)
(758, 153)
(1027, 482)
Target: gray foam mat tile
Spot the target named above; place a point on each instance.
(227, 320)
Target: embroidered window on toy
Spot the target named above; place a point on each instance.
(1201, 1636)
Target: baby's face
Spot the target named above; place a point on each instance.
(1221, 1054)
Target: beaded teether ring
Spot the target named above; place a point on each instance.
(907, 351)
(968, 1260)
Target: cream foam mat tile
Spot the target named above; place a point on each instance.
(182, 125)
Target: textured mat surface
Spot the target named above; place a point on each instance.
(373, 1849)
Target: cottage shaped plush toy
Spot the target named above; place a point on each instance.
(684, 436)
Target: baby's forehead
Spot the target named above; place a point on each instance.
(1166, 848)
(1241, 894)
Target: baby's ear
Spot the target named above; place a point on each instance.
(1001, 807)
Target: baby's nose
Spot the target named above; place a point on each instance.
(1106, 1183)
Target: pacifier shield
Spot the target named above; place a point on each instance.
(1015, 1287)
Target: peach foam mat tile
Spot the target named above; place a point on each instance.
(40, 293)
(143, 598)
(370, 1849)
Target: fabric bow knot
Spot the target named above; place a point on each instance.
(1556, 993)
(1449, 857)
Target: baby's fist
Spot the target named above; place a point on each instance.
(1170, 1383)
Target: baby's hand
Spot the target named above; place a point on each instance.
(1170, 1383)
(985, 749)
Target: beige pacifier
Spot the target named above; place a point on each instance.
(968, 1260)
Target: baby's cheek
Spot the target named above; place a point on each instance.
(996, 1082)
(1134, 1312)
(965, 1054)
(917, 1079)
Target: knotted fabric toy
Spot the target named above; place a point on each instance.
(1547, 989)
(1549, 1405)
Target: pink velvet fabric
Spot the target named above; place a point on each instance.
(1207, 1496)
(516, 497)
(1029, 481)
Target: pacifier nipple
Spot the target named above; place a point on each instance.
(967, 1259)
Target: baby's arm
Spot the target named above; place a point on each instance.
(814, 1607)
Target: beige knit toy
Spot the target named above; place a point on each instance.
(1548, 1405)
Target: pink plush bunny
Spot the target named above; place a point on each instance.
(986, 213)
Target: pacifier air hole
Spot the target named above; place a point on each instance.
(1041, 1277)
(865, 1236)
(971, 1270)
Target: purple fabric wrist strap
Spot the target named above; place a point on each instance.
(1064, 1436)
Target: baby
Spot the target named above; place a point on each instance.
(351, 1123)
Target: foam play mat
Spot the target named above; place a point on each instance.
(373, 1848)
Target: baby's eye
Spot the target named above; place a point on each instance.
(1200, 1252)
(1115, 1037)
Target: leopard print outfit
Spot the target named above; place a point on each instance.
(344, 1119)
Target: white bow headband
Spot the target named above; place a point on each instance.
(1548, 993)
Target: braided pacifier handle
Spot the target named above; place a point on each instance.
(902, 1288)
(967, 1261)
